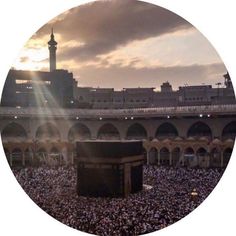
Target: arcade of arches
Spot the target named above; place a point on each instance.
(198, 148)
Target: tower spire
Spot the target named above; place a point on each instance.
(52, 46)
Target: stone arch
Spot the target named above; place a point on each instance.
(55, 156)
(202, 157)
(6, 151)
(226, 156)
(215, 157)
(17, 157)
(176, 155)
(201, 151)
(136, 131)
(7, 154)
(199, 129)
(166, 130)
(47, 131)
(145, 154)
(28, 156)
(108, 131)
(164, 156)
(41, 155)
(189, 156)
(79, 131)
(229, 131)
(14, 132)
(54, 150)
(153, 156)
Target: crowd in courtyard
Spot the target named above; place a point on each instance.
(167, 200)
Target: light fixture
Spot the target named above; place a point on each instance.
(201, 115)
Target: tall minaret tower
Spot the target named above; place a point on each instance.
(52, 46)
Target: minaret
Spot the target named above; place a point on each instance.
(52, 46)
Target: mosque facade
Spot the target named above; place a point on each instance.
(44, 114)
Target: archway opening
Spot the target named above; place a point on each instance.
(41, 156)
(145, 155)
(17, 157)
(229, 131)
(189, 157)
(79, 132)
(136, 132)
(198, 130)
(164, 157)
(55, 156)
(7, 154)
(215, 158)
(202, 157)
(153, 156)
(226, 156)
(108, 132)
(165, 131)
(46, 132)
(28, 157)
(176, 153)
(13, 132)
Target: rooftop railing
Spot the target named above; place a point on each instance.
(206, 110)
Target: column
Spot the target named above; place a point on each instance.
(10, 155)
(208, 158)
(72, 158)
(182, 158)
(170, 159)
(158, 158)
(148, 156)
(221, 159)
(23, 158)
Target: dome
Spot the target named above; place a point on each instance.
(191, 138)
(203, 139)
(166, 140)
(229, 140)
(155, 140)
(178, 138)
(216, 141)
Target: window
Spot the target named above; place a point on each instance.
(18, 81)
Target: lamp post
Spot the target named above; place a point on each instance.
(194, 195)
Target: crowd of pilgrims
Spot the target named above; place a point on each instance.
(168, 200)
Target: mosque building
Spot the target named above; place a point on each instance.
(44, 113)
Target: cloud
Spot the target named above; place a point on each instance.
(128, 76)
(24, 59)
(104, 26)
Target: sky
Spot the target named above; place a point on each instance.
(125, 43)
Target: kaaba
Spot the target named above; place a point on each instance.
(109, 168)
